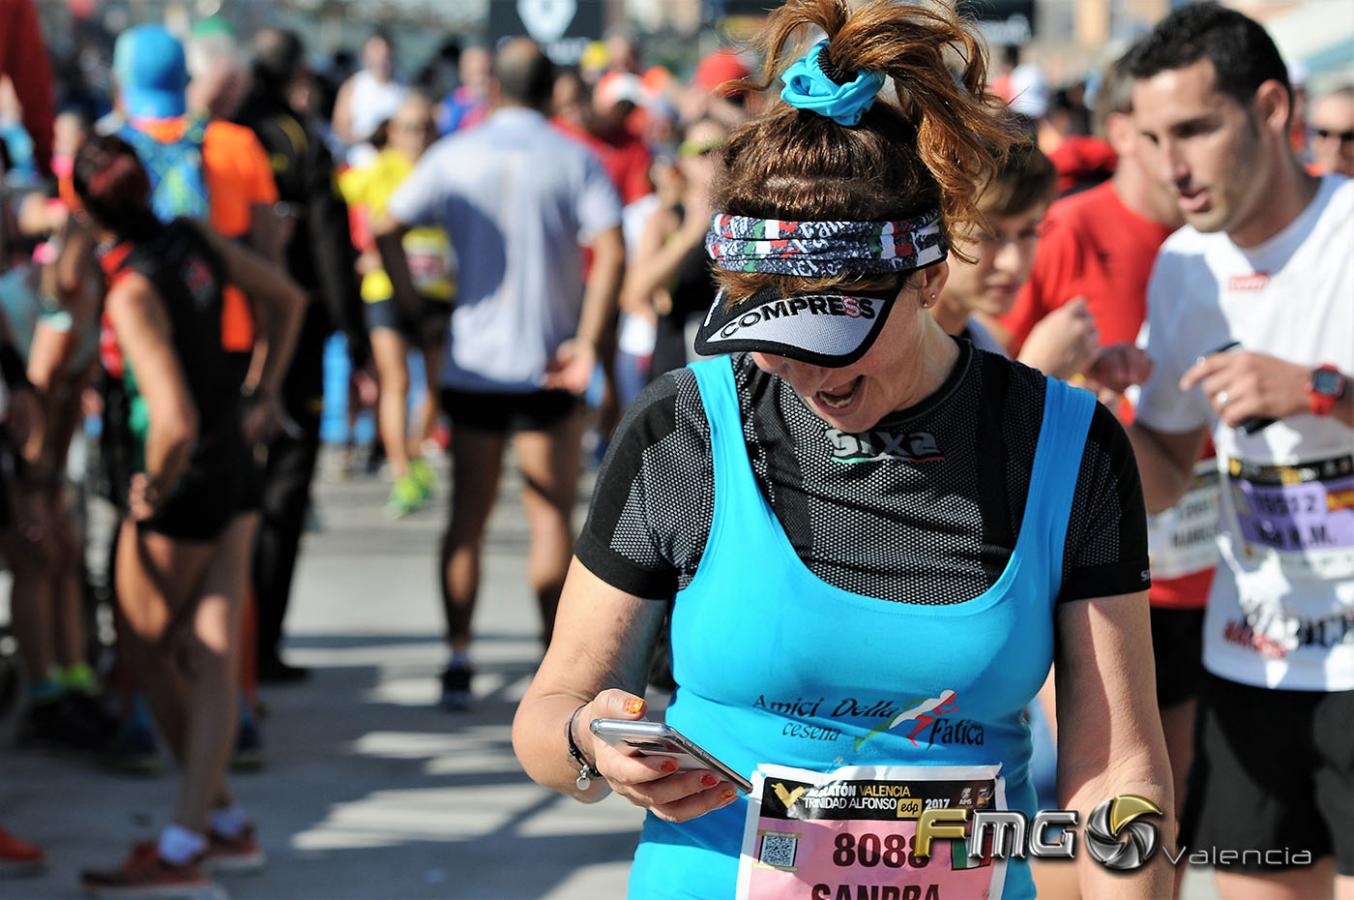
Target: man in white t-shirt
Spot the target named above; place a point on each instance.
(370, 96)
(1251, 315)
(519, 201)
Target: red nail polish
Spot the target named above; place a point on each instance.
(729, 795)
(668, 765)
(709, 780)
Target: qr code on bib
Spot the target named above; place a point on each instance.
(778, 849)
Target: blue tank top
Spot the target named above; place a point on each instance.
(775, 665)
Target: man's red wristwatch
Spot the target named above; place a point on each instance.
(1325, 388)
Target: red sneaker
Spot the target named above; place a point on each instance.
(19, 858)
(145, 874)
(240, 855)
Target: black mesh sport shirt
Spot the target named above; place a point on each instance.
(925, 507)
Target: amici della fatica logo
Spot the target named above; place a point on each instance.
(1117, 835)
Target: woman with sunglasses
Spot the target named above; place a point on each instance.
(1331, 130)
(394, 330)
(184, 545)
(669, 276)
(873, 540)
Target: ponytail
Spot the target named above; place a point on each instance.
(937, 142)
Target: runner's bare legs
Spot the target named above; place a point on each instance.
(476, 464)
(426, 420)
(192, 682)
(391, 352)
(550, 462)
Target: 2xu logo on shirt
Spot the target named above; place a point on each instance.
(881, 443)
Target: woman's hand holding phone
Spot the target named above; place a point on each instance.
(654, 783)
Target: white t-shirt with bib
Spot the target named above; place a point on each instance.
(1281, 613)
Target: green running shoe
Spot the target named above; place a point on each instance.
(422, 472)
(406, 498)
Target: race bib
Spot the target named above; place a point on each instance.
(429, 256)
(853, 833)
(1183, 540)
(1304, 514)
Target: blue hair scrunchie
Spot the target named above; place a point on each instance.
(808, 87)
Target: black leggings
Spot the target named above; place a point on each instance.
(286, 483)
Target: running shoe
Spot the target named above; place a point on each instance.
(422, 472)
(240, 855)
(456, 688)
(376, 457)
(406, 498)
(144, 874)
(72, 721)
(134, 750)
(93, 711)
(248, 755)
(18, 858)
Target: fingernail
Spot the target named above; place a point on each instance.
(709, 780)
(634, 706)
(668, 765)
(729, 795)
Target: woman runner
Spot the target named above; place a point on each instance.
(874, 541)
(183, 553)
(393, 330)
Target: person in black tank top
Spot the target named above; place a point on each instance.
(183, 549)
(670, 274)
(692, 292)
(188, 275)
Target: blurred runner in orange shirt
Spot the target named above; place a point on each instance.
(152, 79)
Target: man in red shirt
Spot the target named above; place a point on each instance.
(1098, 248)
(1100, 244)
(622, 153)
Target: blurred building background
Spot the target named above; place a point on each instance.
(1066, 38)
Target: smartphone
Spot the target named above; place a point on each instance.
(658, 739)
(1254, 423)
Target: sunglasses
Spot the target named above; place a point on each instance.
(1344, 137)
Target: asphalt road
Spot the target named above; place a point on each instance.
(369, 791)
